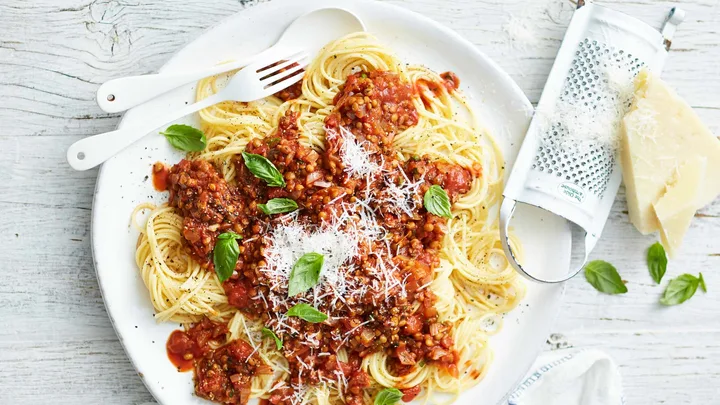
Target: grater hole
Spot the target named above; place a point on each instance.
(585, 86)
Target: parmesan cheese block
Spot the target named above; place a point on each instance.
(661, 133)
(676, 208)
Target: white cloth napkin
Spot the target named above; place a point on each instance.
(571, 377)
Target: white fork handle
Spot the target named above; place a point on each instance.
(94, 150)
(124, 93)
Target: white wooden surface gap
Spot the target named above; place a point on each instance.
(56, 342)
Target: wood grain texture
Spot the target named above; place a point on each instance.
(54, 328)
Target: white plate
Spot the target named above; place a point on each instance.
(123, 183)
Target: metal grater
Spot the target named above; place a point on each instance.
(572, 170)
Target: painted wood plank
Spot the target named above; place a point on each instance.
(54, 54)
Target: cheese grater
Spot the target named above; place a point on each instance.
(568, 163)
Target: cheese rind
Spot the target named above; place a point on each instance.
(661, 131)
(676, 208)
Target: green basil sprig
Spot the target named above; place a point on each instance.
(307, 313)
(225, 254)
(305, 273)
(278, 206)
(267, 332)
(604, 277)
(682, 289)
(185, 137)
(263, 169)
(388, 396)
(657, 262)
(437, 202)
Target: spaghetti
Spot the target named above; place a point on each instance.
(411, 297)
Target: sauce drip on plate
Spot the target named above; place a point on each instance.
(160, 176)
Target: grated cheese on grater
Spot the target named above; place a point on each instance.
(591, 107)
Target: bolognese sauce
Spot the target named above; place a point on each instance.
(223, 371)
(449, 82)
(400, 321)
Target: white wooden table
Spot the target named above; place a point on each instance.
(56, 342)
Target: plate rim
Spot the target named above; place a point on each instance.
(506, 80)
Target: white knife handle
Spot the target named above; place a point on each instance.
(94, 150)
(122, 94)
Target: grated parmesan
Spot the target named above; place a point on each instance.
(355, 157)
(351, 233)
(403, 198)
(588, 123)
(288, 242)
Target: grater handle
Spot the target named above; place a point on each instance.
(507, 208)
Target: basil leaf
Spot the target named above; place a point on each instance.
(263, 169)
(305, 273)
(388, 396)
(228, 235)
(225, 254)
(307, 313)
(278, 206)
(185, 137)
(702, 282)
(680, 289)
(437, 202)
(604, 277)
(657, 262)
(267, 332)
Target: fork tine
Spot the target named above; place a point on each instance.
(284, 75)
(285, 83)
(272, 70)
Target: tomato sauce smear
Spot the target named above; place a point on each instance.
(180, 350)
(160, 175)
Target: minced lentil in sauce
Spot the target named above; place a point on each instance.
(373, 107)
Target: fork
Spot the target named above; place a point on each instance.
(271, 73)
